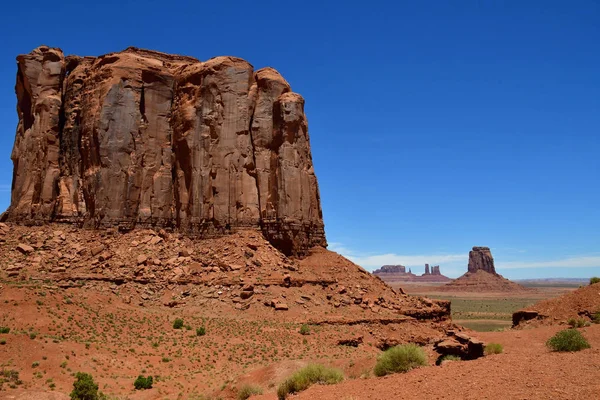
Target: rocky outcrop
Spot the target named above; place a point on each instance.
(146, 139)
(435, 270)
(480, 258)
(391, 269)
(427, 269)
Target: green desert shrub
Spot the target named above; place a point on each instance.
(309, 375)
(84, 387)
(568, 340)
(4, 329)
(577, 322)
(595, 279)
(143, 382)
(304, 330)
(450, 357)
(400, 358)
(493, 348)
(201, 331)
(178, 324)
(596, 317)
(248, 390)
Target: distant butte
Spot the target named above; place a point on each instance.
(481, 276)
(397, 273)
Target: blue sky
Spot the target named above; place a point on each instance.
(435, 126)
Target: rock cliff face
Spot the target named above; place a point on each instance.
(143, 139)
(480, 258)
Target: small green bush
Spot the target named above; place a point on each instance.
(84, 387)
(568, 340)
(450, 357)
(248, 390)
(577, 323)
(304, 330)
(143, 382)
(309, 375)
(201, 331)
(2, 341)
(595, 279)
(401, 358)
(596, 317)
(178, 324)
(493, 348)
(4, 329)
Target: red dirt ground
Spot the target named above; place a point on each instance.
(526, 370)
(581, 303)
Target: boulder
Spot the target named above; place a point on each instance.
(24, 248)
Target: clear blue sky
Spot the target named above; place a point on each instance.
(435, 126)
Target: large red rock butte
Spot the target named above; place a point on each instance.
(141, 138)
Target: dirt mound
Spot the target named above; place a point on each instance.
(581, 303)
(526, 369)
(482, 281)
(104, 302)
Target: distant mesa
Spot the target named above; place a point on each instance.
(397, 273)
(482, 276)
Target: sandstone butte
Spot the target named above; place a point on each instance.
(481, 276)
(145, 139)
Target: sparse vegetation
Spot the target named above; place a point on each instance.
(400, 358)
(594, 279)
(201, 331)
(143, 382)
(307, 376)
(568, 340)
(304, 330)
(4, 329)
(2, 342)
(178, 324)
(84, 387)
(493, 348)
(248, 390)
(577, 322)
(450, 357)
(596, 317)
(11, 377)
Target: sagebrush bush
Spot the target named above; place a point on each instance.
(596, 317)
(450, 357)
(595, 279)
(143, 382)
(178, 324)
(400, 358)
(309, 375)
(577, 322)
(84, 387)
(4, 329)
(493, 348)
(201, 331)
(568, 340)
(304, 330)
(248, 390)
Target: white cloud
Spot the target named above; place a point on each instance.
(571, 262)
(456, 264)
(373, 261)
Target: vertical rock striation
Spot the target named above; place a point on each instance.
(141, 138)
(480, 258)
